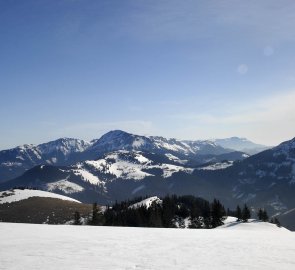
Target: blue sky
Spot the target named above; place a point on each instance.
(185, 69)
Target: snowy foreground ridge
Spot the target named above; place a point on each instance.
(255, 245)
(16, 195)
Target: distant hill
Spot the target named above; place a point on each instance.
(241, 144)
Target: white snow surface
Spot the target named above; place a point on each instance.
(65, 186)
(88, 176)
(127, 170)
(217, 166)
(176, 159)
(130, 165)
(121, 168)
(16, 195)
(138, 142)
(244, 246)
(169, 169)
(231, 223)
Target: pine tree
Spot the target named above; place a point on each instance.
(155, 215)
(239, 213)
(264, 216)
(246, 214)
(77, 218)
(217, 213)
(169, 209)
(260, 214)
(94, 220)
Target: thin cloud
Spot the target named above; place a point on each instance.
(270, 120)
(190, 20)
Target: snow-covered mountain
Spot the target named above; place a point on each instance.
(241, 144)
(99, 179)
(14, 162)
(266, 179)
(120, 140)
(67, 151)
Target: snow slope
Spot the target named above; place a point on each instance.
(252, 225)
(85, 247)
(147, 202)
(16, 195)
(217, 166)
(126, 165)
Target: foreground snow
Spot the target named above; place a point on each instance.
(25, 246)
(16, 195)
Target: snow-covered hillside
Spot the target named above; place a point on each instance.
(132, 165)
(88, 247)
(217, 166)
(267, 176)
(16, 195)
(231, 223)
(94, 180)
(147, 202)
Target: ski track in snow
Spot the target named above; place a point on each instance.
(27, 246)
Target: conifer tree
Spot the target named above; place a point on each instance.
(246, 214)
(155, 215)
(94, 214)
(264, 216)
(239, 213)
(217, 213)
(77, 218)
(260, 214)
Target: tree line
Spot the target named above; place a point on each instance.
(173, 211)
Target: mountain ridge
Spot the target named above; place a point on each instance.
(265, 180)
(67, 151)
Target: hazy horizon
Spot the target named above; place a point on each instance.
(178, 69)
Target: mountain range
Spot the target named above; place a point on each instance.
(121, 165)
(67, 151)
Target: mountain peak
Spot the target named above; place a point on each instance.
(115, 133)
(287, 145)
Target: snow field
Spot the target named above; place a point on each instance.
(65, 186)
(25, 246)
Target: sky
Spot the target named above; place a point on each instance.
(186, 69)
